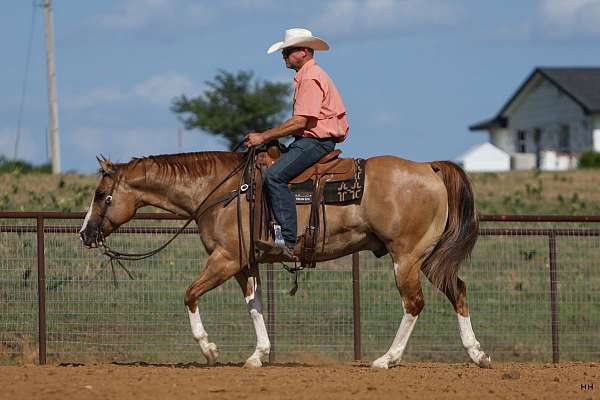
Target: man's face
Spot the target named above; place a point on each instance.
(294, 57)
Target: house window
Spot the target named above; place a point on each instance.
(521, 142)
(564, 139)
(537, 136)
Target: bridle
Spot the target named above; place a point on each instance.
(105, 205)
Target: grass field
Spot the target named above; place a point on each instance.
(570, 192)
(144, 320)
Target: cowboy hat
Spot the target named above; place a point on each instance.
(298, 37)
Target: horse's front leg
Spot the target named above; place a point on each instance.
(250, 284)
(218, 269)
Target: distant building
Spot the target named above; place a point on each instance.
(550, 120)
(484, 157)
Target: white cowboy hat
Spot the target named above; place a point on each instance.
(298, 37)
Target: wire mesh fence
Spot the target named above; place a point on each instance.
(88, 318)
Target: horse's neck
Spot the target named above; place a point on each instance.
(180, 197)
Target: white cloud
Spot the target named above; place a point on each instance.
(172, 15)
(133, 14)
(159, 89)
(93, 98)
(248, 4)
(569, 18)
(367, 17)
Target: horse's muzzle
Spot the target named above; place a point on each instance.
(90, 236)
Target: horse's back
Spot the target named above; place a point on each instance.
(400, 170)
(403, 196)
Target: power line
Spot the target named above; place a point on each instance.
(25, 79)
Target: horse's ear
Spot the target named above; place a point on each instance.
(106, 166)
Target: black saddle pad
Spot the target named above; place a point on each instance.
(340, 192)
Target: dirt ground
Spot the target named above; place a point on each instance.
(301, 381)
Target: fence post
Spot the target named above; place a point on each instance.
(553, 291)
(356, 305)
(41, 282)
(271, 311)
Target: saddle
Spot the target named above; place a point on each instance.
(338, 169)
(329, 170)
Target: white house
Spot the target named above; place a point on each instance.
(550, 120)
(484, 157)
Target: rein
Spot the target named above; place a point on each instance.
(245, 165)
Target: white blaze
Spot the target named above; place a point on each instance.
(87, 217)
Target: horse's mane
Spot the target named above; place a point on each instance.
(183, 166)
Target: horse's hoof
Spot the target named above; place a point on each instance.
(253, 363)
(485, 361)
(381, 362)
(211, 353)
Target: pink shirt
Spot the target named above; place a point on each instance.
(316, 96)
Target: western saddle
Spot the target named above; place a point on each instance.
(330, 168)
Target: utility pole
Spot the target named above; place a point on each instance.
(52, 105)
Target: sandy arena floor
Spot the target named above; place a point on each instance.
(333, 381)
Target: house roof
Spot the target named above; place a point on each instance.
(482, 148)
(581, 84)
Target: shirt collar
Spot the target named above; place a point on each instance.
(304, 68)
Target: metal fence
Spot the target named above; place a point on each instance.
(534, 294)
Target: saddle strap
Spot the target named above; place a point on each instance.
(309, 244)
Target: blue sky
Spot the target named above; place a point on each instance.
(414, 74)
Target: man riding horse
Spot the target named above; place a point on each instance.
(421, 213)
(318, 122)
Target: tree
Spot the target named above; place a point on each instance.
(234, 106)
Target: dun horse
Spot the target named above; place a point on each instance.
(423, 214)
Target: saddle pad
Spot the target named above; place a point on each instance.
(340, 192)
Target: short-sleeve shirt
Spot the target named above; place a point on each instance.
(316, 96)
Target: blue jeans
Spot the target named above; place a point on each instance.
(301, 154)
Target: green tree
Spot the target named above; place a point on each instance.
(234, 105)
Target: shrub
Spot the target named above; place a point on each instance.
(589, 159)
(22, 166)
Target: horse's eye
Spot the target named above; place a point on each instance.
(108, 199)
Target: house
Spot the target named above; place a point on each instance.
(550, 120)
(484, 157)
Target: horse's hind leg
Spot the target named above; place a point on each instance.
(470, 343)
(249, 281)
(407, 273)
(218, 269)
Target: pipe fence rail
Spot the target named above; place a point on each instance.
(533, 289)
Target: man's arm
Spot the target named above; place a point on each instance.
(292, 125)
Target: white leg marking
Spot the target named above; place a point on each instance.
(263, 345)
(199, 333)
(471, 344)
(394, 354)
(87, 216)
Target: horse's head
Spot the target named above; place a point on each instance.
(113, 204)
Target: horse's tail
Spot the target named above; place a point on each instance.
(457, 241)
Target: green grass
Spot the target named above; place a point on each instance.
(519, 192)
(145, 320)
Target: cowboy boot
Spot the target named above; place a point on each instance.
(272, 251)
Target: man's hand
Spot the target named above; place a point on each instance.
(254, 139)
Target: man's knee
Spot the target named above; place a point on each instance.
(272, 177)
